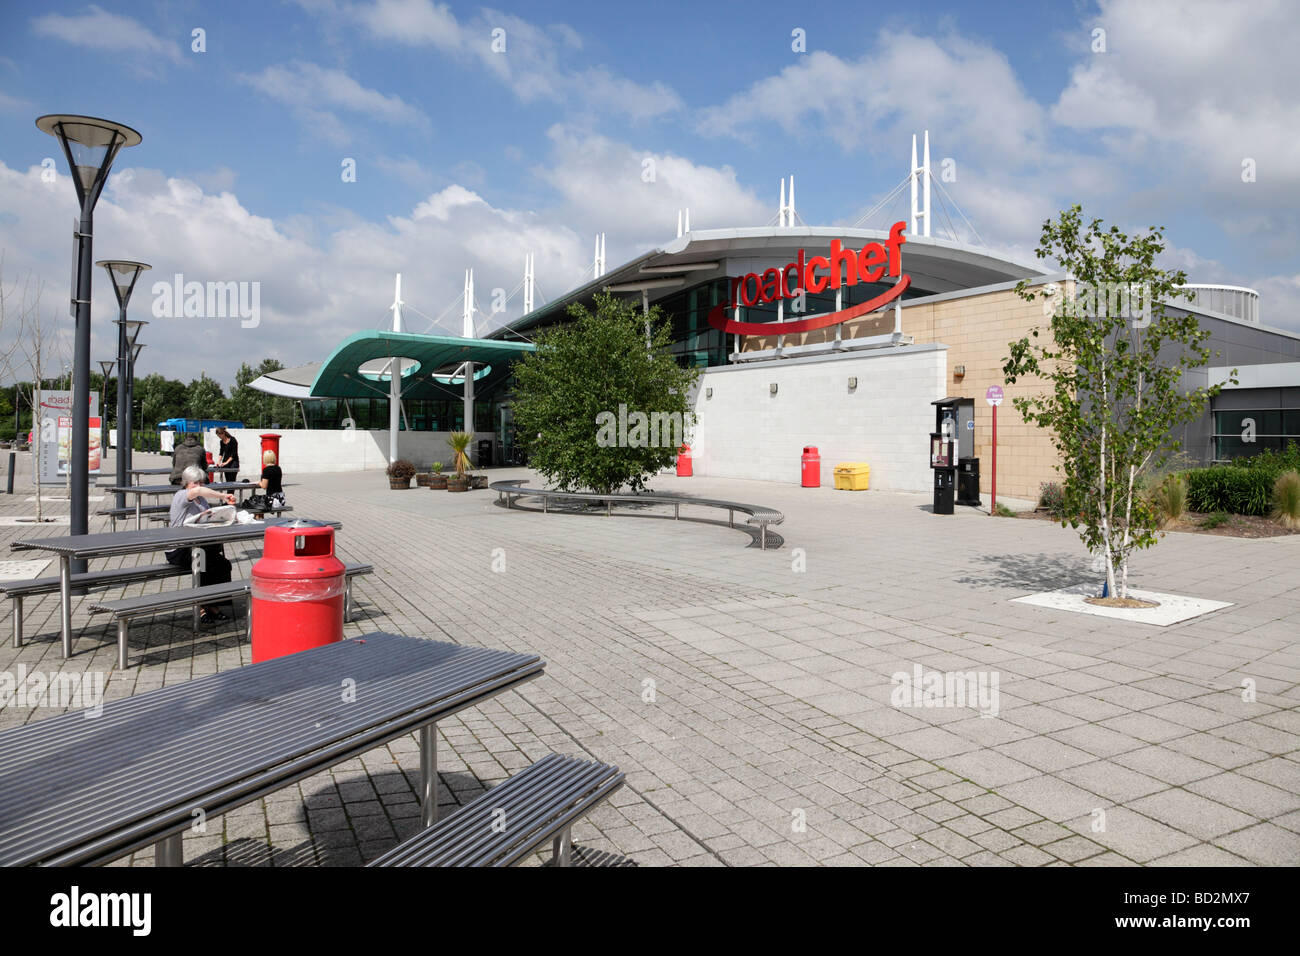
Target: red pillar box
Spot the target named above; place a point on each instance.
(271, 442)
(297, 590)
(684, 466)
(811, 466)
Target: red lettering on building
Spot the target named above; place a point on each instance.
(816, 274)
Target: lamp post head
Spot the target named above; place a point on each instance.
(135, 353)
(90, 145)
(133, 327)
(123, 272)
(108, 368)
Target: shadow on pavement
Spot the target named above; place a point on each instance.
(1031, 572)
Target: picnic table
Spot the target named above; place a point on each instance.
(69, 548)
(141, 490)
(79, 789)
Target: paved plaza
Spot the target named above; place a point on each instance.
(747, 694)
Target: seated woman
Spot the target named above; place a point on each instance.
(194, 499)
(272, 483)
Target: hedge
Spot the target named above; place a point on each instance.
(1271, 462)
(1236, 490)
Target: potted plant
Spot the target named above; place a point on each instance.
(437, 480)
(400, 473)
(459, 442)
(422, 479)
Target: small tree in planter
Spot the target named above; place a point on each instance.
(400, 473)
(437, 480)
(1117, 395)
(459, 442)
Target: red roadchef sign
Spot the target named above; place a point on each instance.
(869, 264)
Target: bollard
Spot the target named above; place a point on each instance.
(12, 457)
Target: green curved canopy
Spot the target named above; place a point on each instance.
(341, 375)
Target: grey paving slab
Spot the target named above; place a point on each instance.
(741, 695)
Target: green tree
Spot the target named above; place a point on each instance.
(160, 399)
(205, 399)
(569, 393)
(252, 407)
(1114, 359)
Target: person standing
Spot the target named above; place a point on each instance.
(193, 499)
(227, 456)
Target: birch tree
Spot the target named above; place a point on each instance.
(1115, 359)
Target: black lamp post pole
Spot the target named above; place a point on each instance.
(79, 453)
(123, 431)
(98, 143)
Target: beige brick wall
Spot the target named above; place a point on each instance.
(977, 331)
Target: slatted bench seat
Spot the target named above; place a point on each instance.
(514, 818)
(511, 489)
(113, 514)
(125, 610)
(17, 590)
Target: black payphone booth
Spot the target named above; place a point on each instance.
(944, 454)
(959, 478)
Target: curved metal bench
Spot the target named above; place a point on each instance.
(759, 515)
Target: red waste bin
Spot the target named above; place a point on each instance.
(684, 465)
(270, 442)
(296, 591)
(812, 467)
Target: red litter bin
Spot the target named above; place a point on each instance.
(297, 590)
(271, 442)
(811, 463)
(684, 465)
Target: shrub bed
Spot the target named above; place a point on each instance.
(1232, 489)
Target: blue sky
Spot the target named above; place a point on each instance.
(468, 156)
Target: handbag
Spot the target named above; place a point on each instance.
(257, 504)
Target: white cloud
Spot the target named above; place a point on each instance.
(412, 22)
(97, 29)
(317, 285)
(603, 184)
(903, 84)
(13, 104)
(534, 63)
(1194, 88)
(312, 92)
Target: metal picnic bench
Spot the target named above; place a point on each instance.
(513, 488)
(124, 610)
(141, 490)
(112, 544)
(85, 789)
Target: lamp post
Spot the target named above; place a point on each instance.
(130, 393)
(124, 273)
(107, 369)
(90, 145)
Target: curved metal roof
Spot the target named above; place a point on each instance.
(935, 265)
(429, 361)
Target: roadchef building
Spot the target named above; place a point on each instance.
(863, 389)
(890, 323)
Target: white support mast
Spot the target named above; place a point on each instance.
(528, 283)
(395, 377)
(786, 215)
(598, 260)
(467, 330)
(921, 174)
